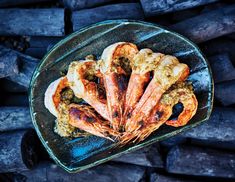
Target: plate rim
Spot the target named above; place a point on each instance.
(137, 146)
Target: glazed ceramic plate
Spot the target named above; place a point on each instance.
(77, 154)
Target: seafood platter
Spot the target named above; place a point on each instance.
(108, 89)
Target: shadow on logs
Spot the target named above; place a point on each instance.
(18, 150)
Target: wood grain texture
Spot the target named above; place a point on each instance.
(26, 68)
(36, 22)
(25, 74)
(148, 156)
(217, 132)
(116, 11)
(222, 68)
(14, 118)
(220, 127)
(224, 92)
(208, 25)
(82, 4)
(102, 173)
(156, 7)
(197, 161)
(8, 64)
(18, 150)
(7, 3)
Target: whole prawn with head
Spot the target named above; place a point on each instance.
(82, 77)
(115, 68)
(143, 63)
(162, 112)
(168, 72)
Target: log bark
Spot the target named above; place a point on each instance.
(208, 25)
(105, 172)
(7, 3)
(116, 11)
(148, 156)
(25, 74)
(82, 4)
(8, 64)
(14, 118)
(197, 161)
(222, 68)
(21, 56)
(35, 22)
(220, 127)
(224, 92)
(18, 150)
(156, 7)
(217, 132)
(27, 64)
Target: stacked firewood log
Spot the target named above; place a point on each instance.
(29, 28)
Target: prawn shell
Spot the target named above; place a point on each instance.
(109, 54)
(85, 89)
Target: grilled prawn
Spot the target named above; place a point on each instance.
(168, 72)
(81, 77)
(143, 63)
(179, 93)
(84, 118)
(57, 98)
(115, 68)
(130, 94)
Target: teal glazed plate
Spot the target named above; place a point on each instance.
(81, 153)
